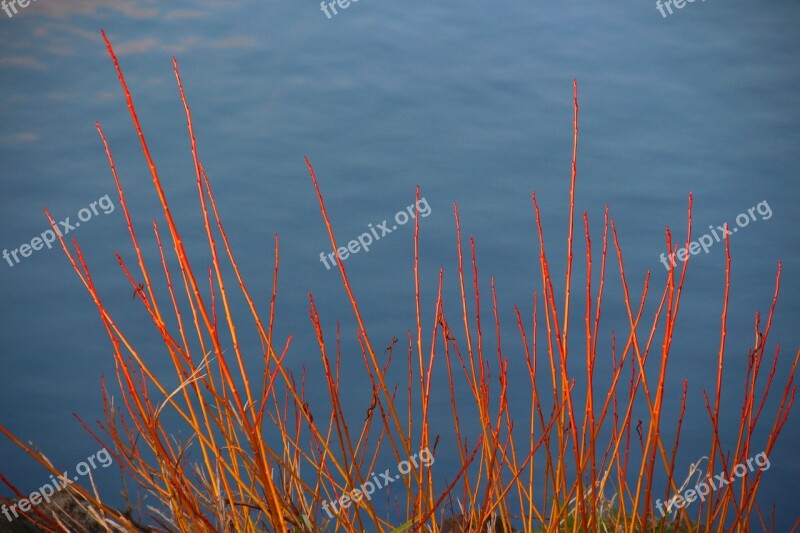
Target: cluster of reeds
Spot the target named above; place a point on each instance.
(573, 465)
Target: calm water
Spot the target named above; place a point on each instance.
(472, 102)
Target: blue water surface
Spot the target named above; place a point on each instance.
(470, 101)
